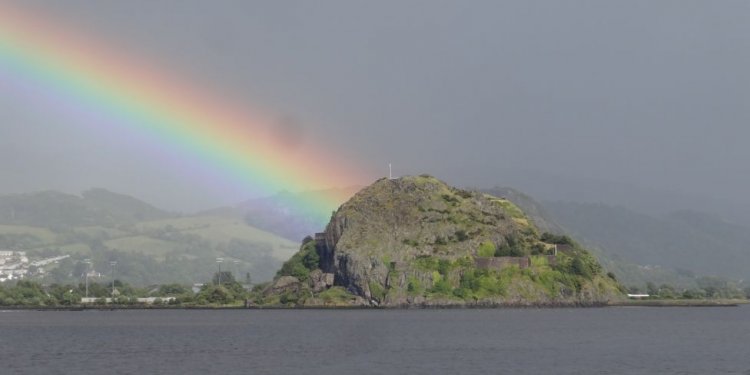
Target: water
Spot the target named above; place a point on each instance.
(512, 341)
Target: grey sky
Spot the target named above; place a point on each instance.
(653, 94)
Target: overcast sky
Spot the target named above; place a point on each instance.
(653, 94)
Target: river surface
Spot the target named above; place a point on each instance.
(624, 340)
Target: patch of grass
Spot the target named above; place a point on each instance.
(336, 296)
(539, 261)
(218, 229)
(144, 244)
(511, 209)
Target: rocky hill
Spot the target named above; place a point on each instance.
(415, 241)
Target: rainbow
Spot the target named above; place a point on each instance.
(131, 95)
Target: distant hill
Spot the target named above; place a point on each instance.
(690, 241)
(533, 209)
(586, 189)
(415, 241)
(150, 245)
(613, 258)
(52, 209)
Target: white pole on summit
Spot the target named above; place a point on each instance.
(390, 173)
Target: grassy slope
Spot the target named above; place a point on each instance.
(214, 229)
(194, 239)
(218, 229)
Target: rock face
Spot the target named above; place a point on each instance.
(417, 241)
(320, 281)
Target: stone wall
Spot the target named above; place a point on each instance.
(498, 263)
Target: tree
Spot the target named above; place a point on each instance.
(172, 290)
(579, 267)
(223, 278)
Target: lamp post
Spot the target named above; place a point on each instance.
(113, 264)
(218, 262)
(88, 263)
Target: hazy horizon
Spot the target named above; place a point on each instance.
(643, 95)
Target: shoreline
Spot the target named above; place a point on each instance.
(624, 303)
(680, 303)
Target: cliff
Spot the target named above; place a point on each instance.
(415, 241)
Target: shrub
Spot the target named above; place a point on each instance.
(302, 262)
(414, 286)
(580, 268)
(464, 194)
(288, 298)
(442, 286)
(538, 249)
(450, 199)
(556, 239)
(377, 291)
(444, 266)
(410, 242)
(487, 249)
(461, 235)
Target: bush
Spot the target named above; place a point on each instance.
(487, 249)
(444, 266)
(464, 193)
(450, 199)
(556, 239)
(288, 298)
(694, 294)
(579, 267)
(538, 249)
(410, 242)
(302, 262)
(377, 291)
(442, 286)
(414, 287)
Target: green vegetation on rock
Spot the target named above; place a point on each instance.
(417, 241)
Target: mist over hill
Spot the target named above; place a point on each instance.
(52, 209)
(150, 245)
(153, 245)
(687, 241)
(684, 248)
(285, 214)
